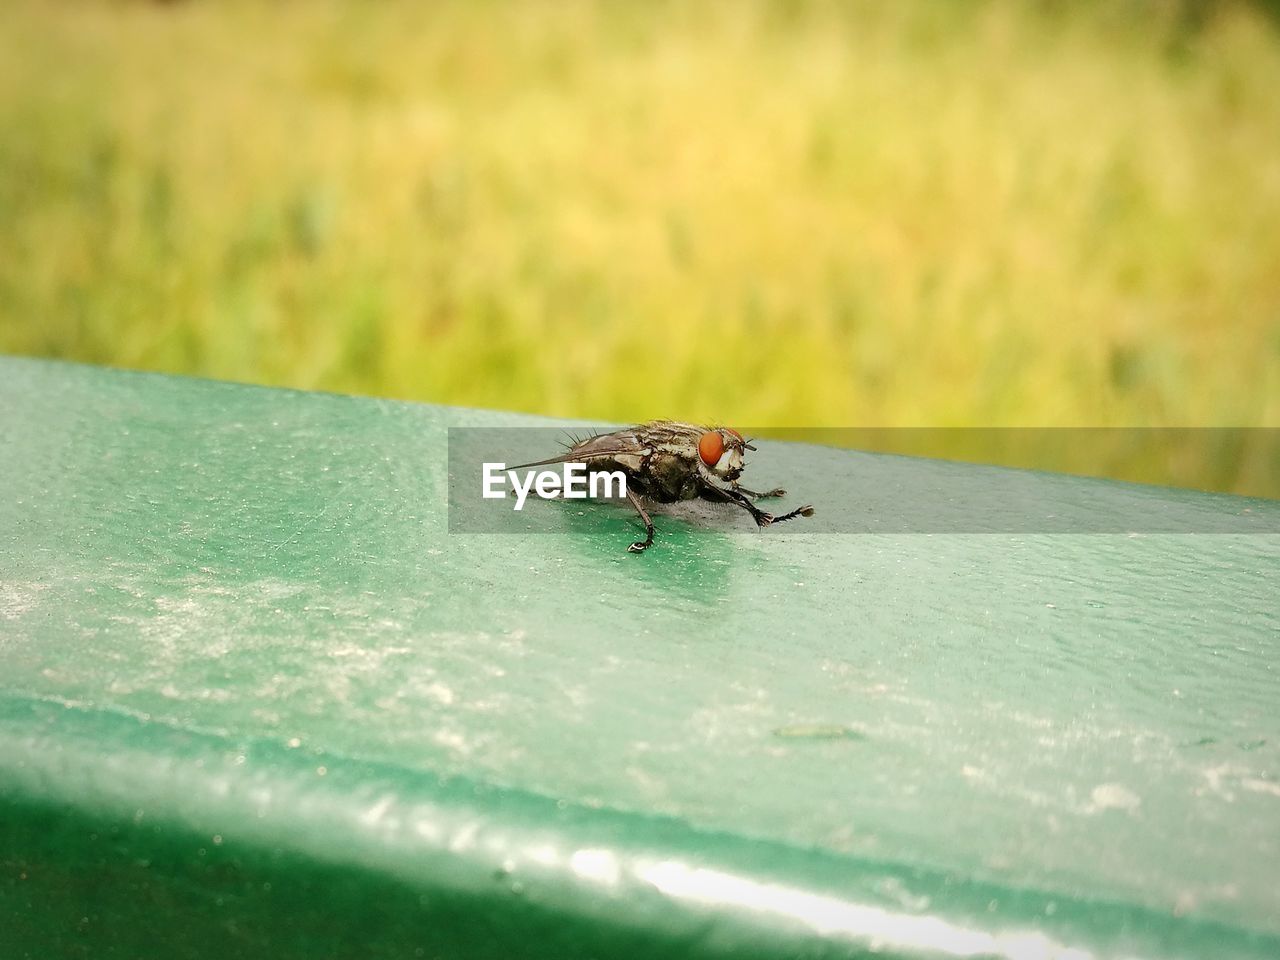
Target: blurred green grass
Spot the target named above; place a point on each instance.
(777, 214)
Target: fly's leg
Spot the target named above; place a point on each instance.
(641, 545)
(712, 492)
(775, 492)
(742, 499)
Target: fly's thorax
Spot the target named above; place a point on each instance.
(676, 438)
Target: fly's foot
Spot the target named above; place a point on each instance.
(765, 519)
(640, 546)
(775, 492)
(805, 511)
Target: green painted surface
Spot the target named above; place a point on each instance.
(255, 697)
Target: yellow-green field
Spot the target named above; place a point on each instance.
(794, 214)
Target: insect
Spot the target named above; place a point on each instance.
(666, 462)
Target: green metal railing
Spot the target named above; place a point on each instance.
(257, 700)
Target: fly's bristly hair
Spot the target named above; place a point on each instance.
(573, 439)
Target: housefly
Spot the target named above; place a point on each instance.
(666, 462)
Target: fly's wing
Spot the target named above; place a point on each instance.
(604, 446)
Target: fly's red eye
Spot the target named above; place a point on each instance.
(735, 433)
(710, 447)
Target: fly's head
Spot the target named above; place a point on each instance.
(722, 450)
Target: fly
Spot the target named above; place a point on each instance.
(667, 462)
